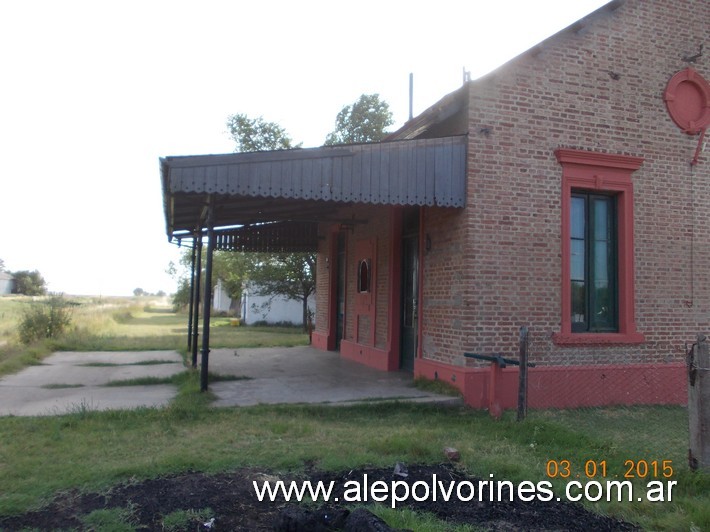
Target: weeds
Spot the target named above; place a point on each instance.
(183, 520)
(49, 318)
(111, 520)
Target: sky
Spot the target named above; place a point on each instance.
(93, 93)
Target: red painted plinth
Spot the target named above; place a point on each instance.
(564, 386)
(319, 340)
(370, 356)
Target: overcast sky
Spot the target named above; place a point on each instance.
(92, 93)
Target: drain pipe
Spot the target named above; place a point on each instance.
(700, 148)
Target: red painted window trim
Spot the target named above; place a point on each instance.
(591, 171)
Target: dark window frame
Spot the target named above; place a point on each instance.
(595, 319)
(602, 173)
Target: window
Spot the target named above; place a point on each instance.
(363, 277)
(597, 249)
(593, 263)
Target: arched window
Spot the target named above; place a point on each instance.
(363, 276)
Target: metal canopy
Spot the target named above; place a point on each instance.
(305, 186)
(277, 237)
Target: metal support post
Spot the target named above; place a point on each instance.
(192, 297)
(204, 370)
(196, 318)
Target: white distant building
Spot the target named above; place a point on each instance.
(254, 308)
(7, 282)
(221, 302)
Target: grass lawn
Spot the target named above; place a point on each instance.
(94, 450)
(161, 328)
(125, 324)
(39, 456)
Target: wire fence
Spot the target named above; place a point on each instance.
(636, 400)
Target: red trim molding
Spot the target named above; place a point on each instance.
(319, 340)
(586, 170)
(373, 357)
(496, 389)
(687, 98)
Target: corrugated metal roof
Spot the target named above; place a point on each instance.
(307, 183)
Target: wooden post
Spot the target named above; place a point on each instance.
(699, 405)
(523, 375)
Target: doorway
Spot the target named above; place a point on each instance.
(410, 289)
(341, 259)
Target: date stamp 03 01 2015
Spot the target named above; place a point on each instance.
(592, 469)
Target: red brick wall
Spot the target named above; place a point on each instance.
(496, 265)
(377, 228)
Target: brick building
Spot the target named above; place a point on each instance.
(565, 192)
(575, 126)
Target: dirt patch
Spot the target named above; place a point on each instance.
(234, 505)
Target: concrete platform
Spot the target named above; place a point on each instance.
(307, 375)
(71, 381)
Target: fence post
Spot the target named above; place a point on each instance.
(523, 375)
(699, 404)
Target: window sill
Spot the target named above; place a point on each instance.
(573, 339)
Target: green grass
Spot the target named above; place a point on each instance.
(183, 520)
(139, 363)
(39, 456)
(42, 455)
(127, 324)
(10, 312)
(178, 378)
(161, 329)
(421, 522)
(110, 520)
(437, 386)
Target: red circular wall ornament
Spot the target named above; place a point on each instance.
(687, 98)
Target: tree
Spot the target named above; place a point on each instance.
(2, 265)
(291, 275)
(232, 267)
(256, 134)
(363, 121)
(181, 298)
(29, 283)
(139, 292)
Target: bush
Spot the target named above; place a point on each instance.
(122, 316)
(181, 298)
(47, 319)
(276, 324)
